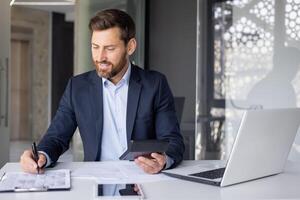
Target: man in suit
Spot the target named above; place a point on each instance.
(113, 104)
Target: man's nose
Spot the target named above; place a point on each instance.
(102, 55)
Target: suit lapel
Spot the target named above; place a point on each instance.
(96, 95)
(134, 91)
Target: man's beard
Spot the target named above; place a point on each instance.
(113, 70)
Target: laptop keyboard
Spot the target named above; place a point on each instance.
(211, 174)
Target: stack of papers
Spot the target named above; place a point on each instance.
(117, 172)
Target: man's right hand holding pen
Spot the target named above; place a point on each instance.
(33, 162)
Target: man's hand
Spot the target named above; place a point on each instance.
(152, 165)
(29, 165)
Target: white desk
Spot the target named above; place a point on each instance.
(282, 186)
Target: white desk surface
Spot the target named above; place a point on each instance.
(282, 186)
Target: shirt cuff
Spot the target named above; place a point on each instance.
(48, 159)
(169, 162)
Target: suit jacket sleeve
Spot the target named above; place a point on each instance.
(57, 138)
(166, 123)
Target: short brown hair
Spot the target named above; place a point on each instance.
(111, 18)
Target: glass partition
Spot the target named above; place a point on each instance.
(248, 58)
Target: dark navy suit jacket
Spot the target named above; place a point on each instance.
(150, 115)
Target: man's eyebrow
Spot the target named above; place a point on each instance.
(95, 44)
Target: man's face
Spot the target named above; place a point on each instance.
(110, 54)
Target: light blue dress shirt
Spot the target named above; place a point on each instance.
(114, 136)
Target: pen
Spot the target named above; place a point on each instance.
(35, 155)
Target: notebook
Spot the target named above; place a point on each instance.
(26, 182)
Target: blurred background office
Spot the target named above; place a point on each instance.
(221, 57)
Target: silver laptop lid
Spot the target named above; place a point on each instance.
(262, 144)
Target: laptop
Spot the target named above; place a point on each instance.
(260, 149)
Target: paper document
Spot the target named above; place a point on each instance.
(21, 181)
(117, 172)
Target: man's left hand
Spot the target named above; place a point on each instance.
(153, 164)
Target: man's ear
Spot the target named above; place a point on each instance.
(131, 46)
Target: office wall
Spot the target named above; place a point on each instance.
(38, 22)
(4, 81)
(172, 47)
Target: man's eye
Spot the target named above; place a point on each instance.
(95, 47)
(110, 48)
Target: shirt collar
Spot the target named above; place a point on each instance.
(124, 79)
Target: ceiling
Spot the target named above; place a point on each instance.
(61, 6)
(66, 6)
